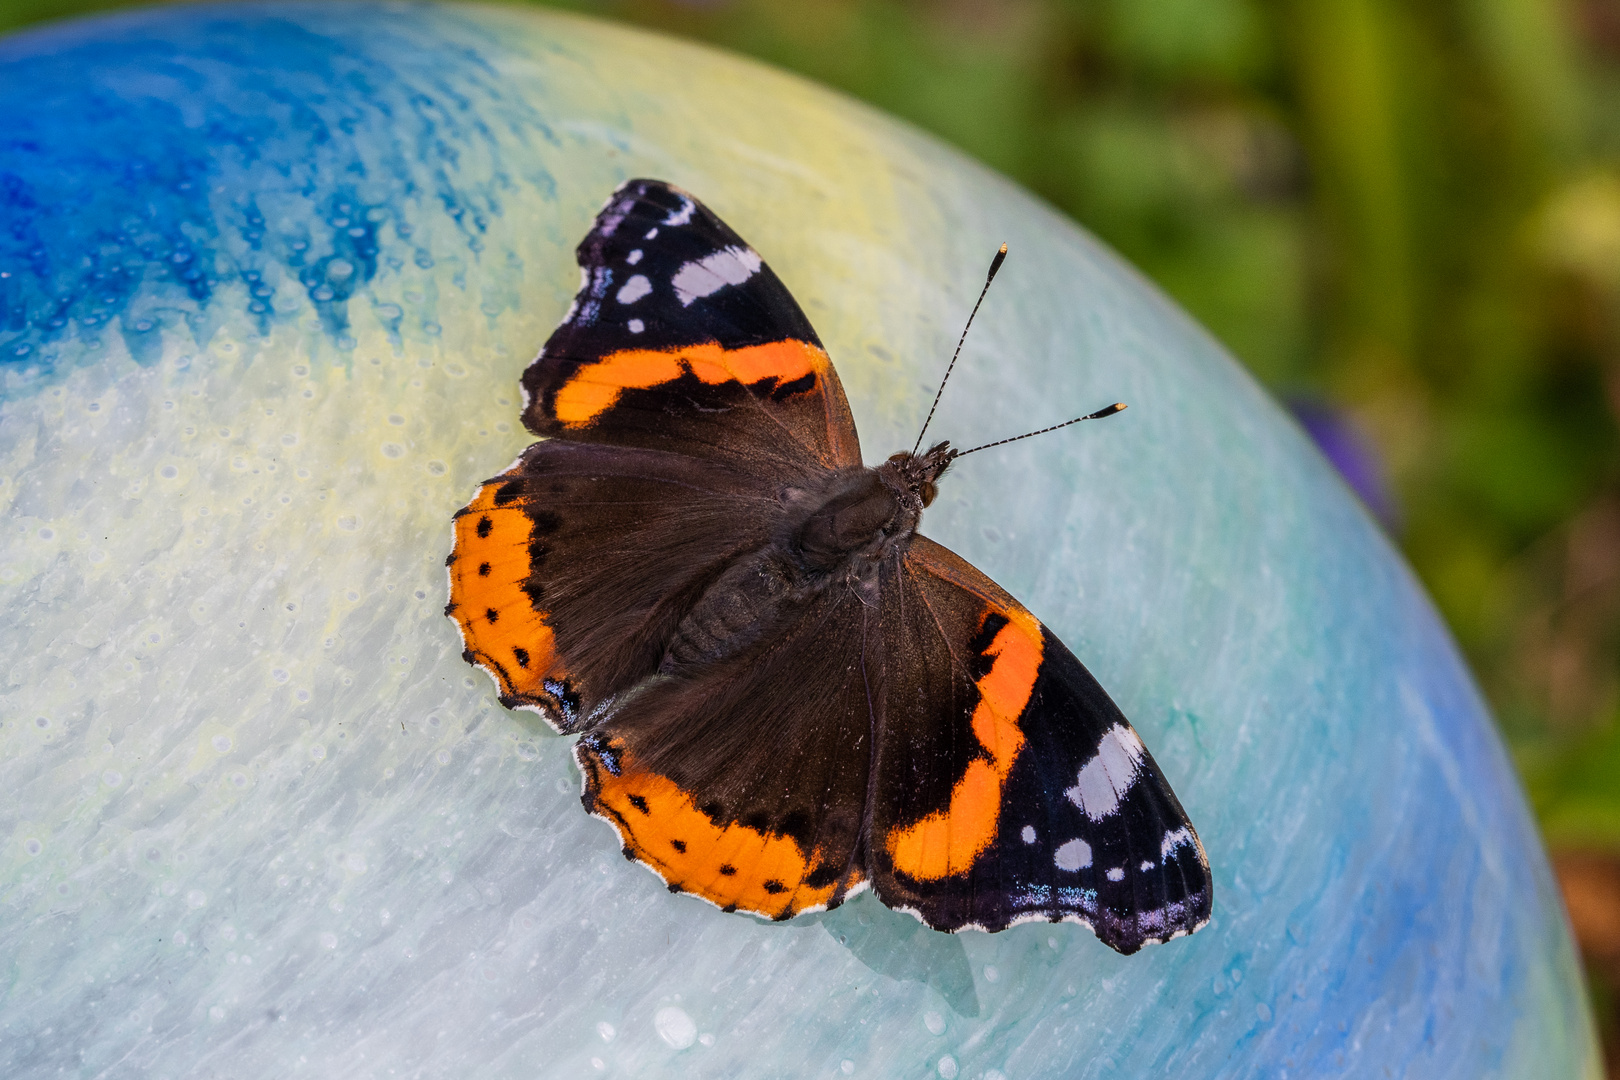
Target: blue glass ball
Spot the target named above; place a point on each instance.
(268, 277)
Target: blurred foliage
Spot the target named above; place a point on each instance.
(1406, 213)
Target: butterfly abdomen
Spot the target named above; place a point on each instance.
(833, 536)
(742, 604)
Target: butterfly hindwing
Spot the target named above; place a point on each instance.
(682, 338)
(741, 776)
(1010, 787)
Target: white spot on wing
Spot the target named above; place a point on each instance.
(1174, 839)
(634, 289)
(636, 326)
(1073, 855)
(708, 275)
(1105, 779)
(634, 257)
(683, 216)
(1028, 834)
(1147, 864)
(1116, 873)
(651, 233)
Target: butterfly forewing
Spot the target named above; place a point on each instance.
(682, 338)
(1011, 787)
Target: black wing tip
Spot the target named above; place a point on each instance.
(619, 205)
(642, 184)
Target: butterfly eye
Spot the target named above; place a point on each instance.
(927, 492)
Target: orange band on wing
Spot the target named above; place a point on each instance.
(946, 842)
(499, 625)
(733, 866)
(595, 387)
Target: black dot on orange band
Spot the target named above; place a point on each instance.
(492, 615)
(674, 887)
(678, 845)
(639, 803)
(729, 908)
(483, 569)
(522, 656)
(773, 887)
(727, 869)
(484, 526)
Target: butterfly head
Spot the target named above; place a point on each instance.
(917, 473)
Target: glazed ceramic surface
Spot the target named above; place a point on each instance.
(268, 277)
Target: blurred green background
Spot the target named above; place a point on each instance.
(1404, 218)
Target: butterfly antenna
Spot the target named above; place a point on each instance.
(1118, 406)
(995, 264)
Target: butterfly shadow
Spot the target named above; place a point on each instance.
(896, 945)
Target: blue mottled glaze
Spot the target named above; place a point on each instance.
(141, 184)
(268, 276)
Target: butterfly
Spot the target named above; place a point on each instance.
(784, 693)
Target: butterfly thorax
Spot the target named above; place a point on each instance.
(859, 516)
(835, 534)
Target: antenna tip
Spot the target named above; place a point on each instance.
(995, 264)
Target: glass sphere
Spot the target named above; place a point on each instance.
(269, 276)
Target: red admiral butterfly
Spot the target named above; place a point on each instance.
(785, 693)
